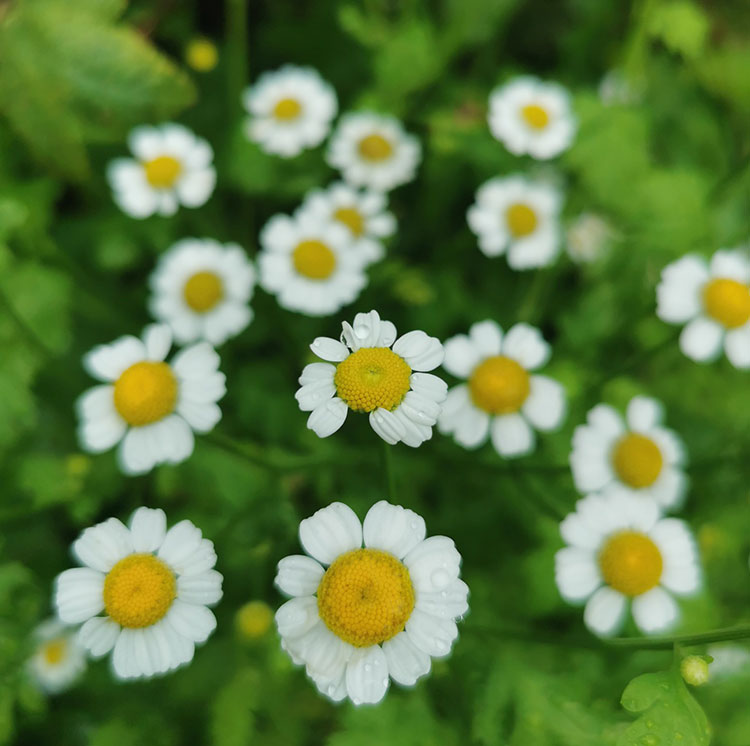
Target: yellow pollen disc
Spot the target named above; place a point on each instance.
(287, 109)
(54, 651)
(499, 385)
(162, 172)
(351, 218)
(203, 291)
(631, 563)
(138, 591)
(371, 378)
(521, 219)
(314, 259)
(535, 116)
(145, 392)
(375, 148)
(637, 460)
(366, 597)
(202, 55)
(727, 301)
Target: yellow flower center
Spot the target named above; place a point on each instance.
(202, 55)
(727, 301)
(54, 651)
(287, 109)
(314, 259)
(535, 116)
(637, 460)
(162, 172)
(521, 219)
(351, 218)
(254, 619)
(203, 291)
(366, 597)
(371, 378)
(375, 148)
(139, 590)
(499, 385)
(631, 563)
(145, 392)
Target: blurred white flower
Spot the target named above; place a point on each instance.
(587, 237)
(58, 660)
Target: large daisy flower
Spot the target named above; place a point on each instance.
(371, 371)
(201, 288)
(58, 659)
(620, 551)
(713, 301)
(530, 116)
(638, 456)
(143, 592)
(171, 167)
(374, 151)
(517, 217)
(362, 616)
(501, 398)
(290, 109)
(149, 406)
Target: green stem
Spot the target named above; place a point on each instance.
(237, 50)
(740, 632)
(390, 480)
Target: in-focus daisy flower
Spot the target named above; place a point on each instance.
(712, 299)
(202, 55)
(362, 616)
(501, 398)
(533, 117)
(201, 288)
(587, 237)
(371, 371)
(149, 406)
(58, 660)
(620, 553)
(291, 109)
(373, 151)
(638, 456)
(171, 167)
(143, 592)
(519, 217)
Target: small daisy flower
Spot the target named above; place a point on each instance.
(143, 592)
(362, 616)
(530, 116)
(58, 660)
(171, 167)
(620, 553)
(148, 406)
(712, 299)
(517, 217)
(374, 151)
(638, 457)
(291, 109)
(371, 371)
(587, 238)
(201, 288)
(501, 398)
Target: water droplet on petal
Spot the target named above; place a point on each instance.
(440, 578)
(368, 668)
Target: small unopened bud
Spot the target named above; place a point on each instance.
(694, 669)
(253, 620)
(202, 55)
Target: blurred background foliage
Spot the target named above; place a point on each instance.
(667, 162)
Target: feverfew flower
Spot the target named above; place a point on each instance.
(362, 616)
(171, 167)
(621, 553)
(501, 398)
(58, 660)
(143, 592)
(291, 109)
(147, 405)
(587, 237)
(376, 373)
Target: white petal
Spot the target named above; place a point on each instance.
(298, 575)
(429, 385)
(158, 339)
(461, 356)
(433, 564)
(643, 413)
(329, 349)
(545, 405)
(737, 347)
(367, 675)
(420, 351)
(525, 344)
(487, 337)
(393, 529)
(193, 621)
(200, 588)
(406, 662)
(79, 594)
(431, 634)
(387, 425)
(107, 362)
(98, 635)
(183, 545)
(123, 658)
(103, 545)
(328, 417)
(512, 436)
(331, 531)
(576, 573)
(297, 617)
(452, 602)
(701, 339)
(148, 528)
(654, 611)
(605, 612)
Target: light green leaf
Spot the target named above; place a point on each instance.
(681, 25)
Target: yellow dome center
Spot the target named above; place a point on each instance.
(727, 301)
(202, 55)
(366, 597)
(54, 651)
(535, 116)
(371, 378)
(521, 220)
(499, 385)
(375, 148)
(352, 219)
(162, 172)
(145, 392)
(139, 590)
(287, 109)
(203, 291)
(314, 259)
(631, 563)
(637, 460)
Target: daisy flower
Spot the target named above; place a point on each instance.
(519, 217)
(290, 109)
(201, 289)
(143, 592)
(362, 616)
(620, 551)
(500, 399)
(58, 660)
(371, 371)
(712, 299)
(373, 151)
(171, 167)
(587, 238)
(148, 406)
(530, 116)
(639, 456)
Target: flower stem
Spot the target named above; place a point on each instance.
(390, 480)
(237, 49)
(739, 632)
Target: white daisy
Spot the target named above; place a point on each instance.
(533, 117)
(373, 151)
(58, 659)
(620, 550)
(171, 167)
(147, 405)
(519, 217)
(143, 591)
(638, 457)
(362, 616)
(713, 300)
(587, 237)
(201, 288)
(501, 399)
(290, 109)
(376, 373)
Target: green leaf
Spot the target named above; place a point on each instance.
(232, 717)
(723, 71)
(681, 25)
